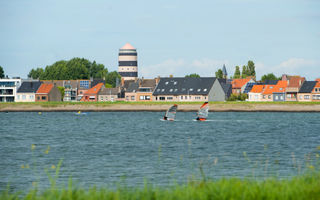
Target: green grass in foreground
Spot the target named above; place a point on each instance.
(56, 104)
(301, 187)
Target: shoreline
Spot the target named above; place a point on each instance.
(214, 107)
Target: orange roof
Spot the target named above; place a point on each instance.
(318, 83)
(280, 87)
(318, 79)
(45, 88)
(257, 88)
(238, 83)
(95, 89)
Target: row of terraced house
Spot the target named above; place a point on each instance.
(289, 88)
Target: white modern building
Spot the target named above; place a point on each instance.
(8, 89)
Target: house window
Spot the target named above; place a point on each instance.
(18, 97)
(147, 97)
(162, 90)
(162, 98)
(198, 90)
(175, 83)
(269, 97)
(181, 97)
(127, 98)
(24, 97)
(43, 98)
(289, 96)
(277, 97)
(38, 98)
(132, 98)
(170, 90)
(169, 98)
(300, 97)
(306, 96)
(191, 89)
(158, 90)
(167, 83)
(175, 90)
(197, 98)
(264, 96)
(185, 97)
(281, 97)
(205, 89)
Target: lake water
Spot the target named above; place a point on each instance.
(104, 148)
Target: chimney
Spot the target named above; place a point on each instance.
(171, 76)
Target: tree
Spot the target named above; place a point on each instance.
(237, 72)
(219, 73)
(61, 89)
(76, 68)
(111, 78)
(108, 85)
(245, 72)
(270, 76)
(194, 75)
(251, 68)
(1, 72)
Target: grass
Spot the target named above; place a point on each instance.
(56, 104)
(301, 187)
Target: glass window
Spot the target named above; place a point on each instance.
(167, 83)
(205, 89)
(306, 96)
(162, 98)
(132, 98)
(170, 90)
(24, 97)
(162, 90)
(18, 97)
(277, 97)
(43, 98)
(199, 90)
(169, 98)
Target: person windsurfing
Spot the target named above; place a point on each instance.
(203, 112)
(171, 113)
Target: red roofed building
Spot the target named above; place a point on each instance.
(294, 85)
(275, 92)
(48, 92)
(256, 93)
(316, 91)
(92, 94)
(238, 85)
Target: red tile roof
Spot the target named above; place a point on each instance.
(45, 88)
(238, 83)
(296, 81)
(94, 90)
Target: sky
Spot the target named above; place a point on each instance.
(172, 37)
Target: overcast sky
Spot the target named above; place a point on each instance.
(171, 37)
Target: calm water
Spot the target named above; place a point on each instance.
(106, 148)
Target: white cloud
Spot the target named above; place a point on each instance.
(293, 66)
(182, 67)
(207, 67)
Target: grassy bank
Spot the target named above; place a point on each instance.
(54, 104)
(301, 187)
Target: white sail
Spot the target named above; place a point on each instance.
(171, 112)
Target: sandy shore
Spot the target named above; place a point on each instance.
(162, 107)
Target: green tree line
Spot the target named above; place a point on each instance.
(76, 68)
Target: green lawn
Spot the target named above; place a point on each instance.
(54, 104)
